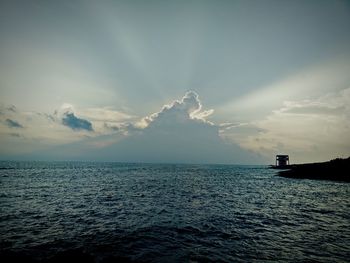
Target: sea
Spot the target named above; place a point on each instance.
(126, 212)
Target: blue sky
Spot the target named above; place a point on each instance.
(263, 77)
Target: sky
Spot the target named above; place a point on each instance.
(233, 82)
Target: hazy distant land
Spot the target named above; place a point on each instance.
(335, 170)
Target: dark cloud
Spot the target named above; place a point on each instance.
(12, 108)
(7, 109)
(13, 124)
(49, 117)
(75, 123)
(111, 127)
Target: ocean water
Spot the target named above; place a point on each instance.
(111, 212)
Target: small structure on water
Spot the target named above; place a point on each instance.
(282, 160)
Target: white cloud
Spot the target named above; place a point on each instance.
(45, 130)
(189, 108)
(38, 126)
(330, 76)
(179, 132)
(309, 130)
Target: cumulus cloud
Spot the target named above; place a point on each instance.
(182, 131)
(75, 123)
(188, 109)
(13, 124)
(179, 133)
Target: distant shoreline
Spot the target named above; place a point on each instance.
(334, 170)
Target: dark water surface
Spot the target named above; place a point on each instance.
(110, 212)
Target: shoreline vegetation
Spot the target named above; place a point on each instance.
(334, 170)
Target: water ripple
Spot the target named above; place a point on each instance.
(108, 212)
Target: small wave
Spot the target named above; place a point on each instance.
(167, 213)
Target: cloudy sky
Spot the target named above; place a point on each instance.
(175, 81)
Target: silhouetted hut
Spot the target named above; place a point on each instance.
(282, 160)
